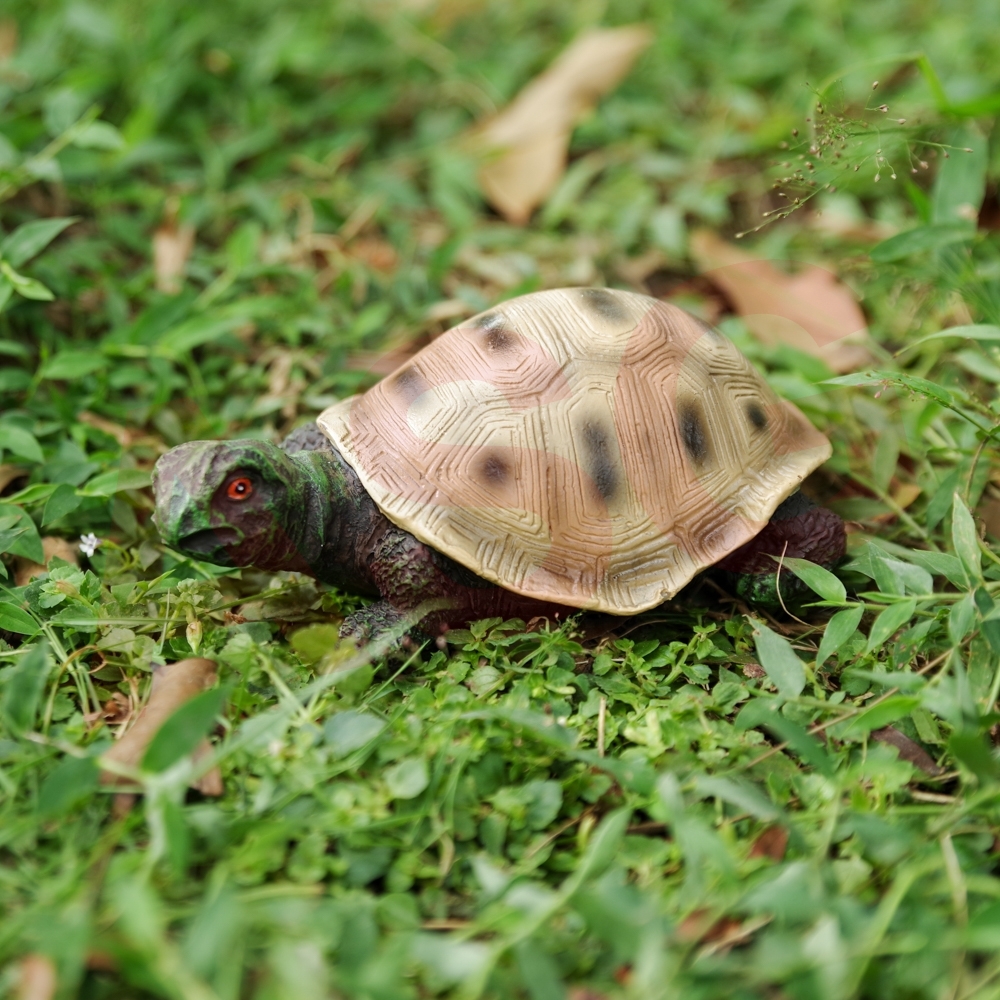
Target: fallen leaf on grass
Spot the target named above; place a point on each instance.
(26, 570)
(908, 749)
(8, 39)
(172, 245)
(8, 473)
(173, 685)
(37, 980)
(989, 513)
(714, 935)
(811, 310)
(771, 843)
(728, 933)
(121, 434)
(529, 139)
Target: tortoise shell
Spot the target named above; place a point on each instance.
(591, 447)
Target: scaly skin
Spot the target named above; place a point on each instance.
(307, 511)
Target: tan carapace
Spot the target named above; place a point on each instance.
(592, 447)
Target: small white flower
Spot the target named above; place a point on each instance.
(89, 544)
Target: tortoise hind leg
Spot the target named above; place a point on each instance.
(798, 529)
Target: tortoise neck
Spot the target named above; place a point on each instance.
(336, 525)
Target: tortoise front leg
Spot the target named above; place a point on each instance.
(798, 529)
(371, 622)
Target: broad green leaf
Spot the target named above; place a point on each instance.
(68, 365)
(800, 741)
(25, 286)
(990, 628)
(20, 442)
(896, 577)
(973, 331)
(977, 107)
(889, 622)
(838, 630)
(939, 563)
(23, 687)
(919, 240)
(741, 794)
(31, 238)
(23, 538)
(408, 778)
(356, 680)
(539, 971)
(313, 642)
(972, 750)
(602, 847)
(960, 183)
(965, 541)
(195, 332)
(351, 730)
(920, 386)
(816, 578)
(114, 481)
(183, 730)
(13, 619)
(878, 716)
(33, 494)
(69, 783)
(448, 959)
(63, 501)
(543, 727)
(960, 618)
(99, 135)
(983, 932)
(779, 660)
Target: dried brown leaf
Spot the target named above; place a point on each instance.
(529, 138)
(771, 843)
(121, 434)
(811, 310)
(26, 570)
(173, 685)
(172, 245)
(37, 980)
(8, 39)
(378, 254)
(989, 513)
(908, 749)
(8, 473)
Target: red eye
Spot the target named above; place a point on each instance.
(240, 489)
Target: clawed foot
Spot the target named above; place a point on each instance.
(373, 622)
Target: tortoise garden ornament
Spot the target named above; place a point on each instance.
(578, 448)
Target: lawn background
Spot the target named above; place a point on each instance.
(445, 823)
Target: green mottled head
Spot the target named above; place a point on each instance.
(239, 503)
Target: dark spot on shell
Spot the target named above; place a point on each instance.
(496, 337)
(693, 433)
(756, 416)
(409, 383)
(604, 303)
(600, 461)
(495, 470)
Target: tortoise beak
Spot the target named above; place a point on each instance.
(210, 545)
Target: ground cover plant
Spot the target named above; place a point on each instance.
(215, 219)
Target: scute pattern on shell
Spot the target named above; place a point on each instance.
(591, 447)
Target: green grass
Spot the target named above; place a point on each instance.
(447, 824)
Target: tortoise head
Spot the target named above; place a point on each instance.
(230, 503)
